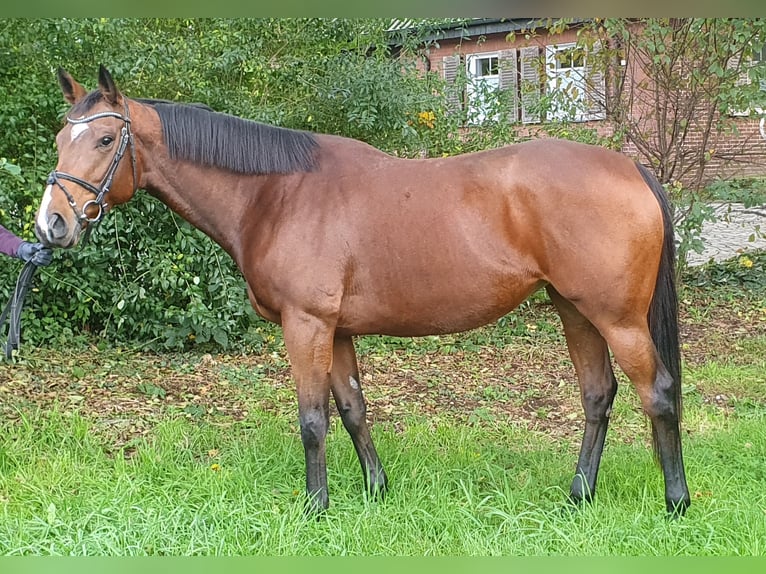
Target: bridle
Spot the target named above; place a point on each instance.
(126, 139)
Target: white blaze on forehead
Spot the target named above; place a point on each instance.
(42, 214)
(77, 130)
(352, 382)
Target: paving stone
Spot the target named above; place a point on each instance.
(729, 236)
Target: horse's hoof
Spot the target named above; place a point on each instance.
(316, 505)
(377, 493)
(677, 508)
(578, 499)
(573, 505)
(377, 488)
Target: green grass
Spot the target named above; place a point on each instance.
(456, 489)
(112, 452)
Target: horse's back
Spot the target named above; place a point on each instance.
(412, 247)
(540, 204)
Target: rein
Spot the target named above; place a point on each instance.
(13, 309)
(126, 139)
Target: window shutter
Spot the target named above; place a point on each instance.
(595, 96)
(508, 79)
(450, 70)
(732, 63)
(743, 79)
(530, 84)
(761, 57)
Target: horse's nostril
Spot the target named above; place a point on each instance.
(56, 227)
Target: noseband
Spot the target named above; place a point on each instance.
(100, 192)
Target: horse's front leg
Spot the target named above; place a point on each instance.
(347, 391)
(309, 342)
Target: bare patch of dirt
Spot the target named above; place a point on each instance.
(530, 382)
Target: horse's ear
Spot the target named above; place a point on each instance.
(106, 85)
(73, 92)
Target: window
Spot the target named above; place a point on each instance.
(483, 83)
(757, 102)
(490, 79)
(569, 58)
(512, 82)
(575, 91)
(759, 58)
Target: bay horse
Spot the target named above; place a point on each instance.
(337, 239)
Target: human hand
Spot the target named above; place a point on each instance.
(34, 252)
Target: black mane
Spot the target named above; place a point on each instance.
(196, 133)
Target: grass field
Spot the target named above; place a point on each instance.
(114, 452)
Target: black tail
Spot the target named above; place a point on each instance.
(663, 312)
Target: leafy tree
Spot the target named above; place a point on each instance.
(674, 80)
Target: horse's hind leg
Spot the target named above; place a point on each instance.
(637, 356)
(347, 391)
(598, 386)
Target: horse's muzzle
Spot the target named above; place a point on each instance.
(57, 233)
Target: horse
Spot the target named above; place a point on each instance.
(337, 239)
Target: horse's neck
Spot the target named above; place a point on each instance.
(214, 206)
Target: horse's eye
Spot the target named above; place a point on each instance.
(105, 141)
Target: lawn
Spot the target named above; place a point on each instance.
(117, 452)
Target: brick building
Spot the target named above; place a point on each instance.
(528, 63)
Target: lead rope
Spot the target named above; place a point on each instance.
(13, 308)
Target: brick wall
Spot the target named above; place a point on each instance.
(737, 154)
(740, 152)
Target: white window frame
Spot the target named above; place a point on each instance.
(567, 76)
(757, 109)
(761, 58)
(744, 79)
(478, 84)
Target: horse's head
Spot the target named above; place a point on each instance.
(96, 162)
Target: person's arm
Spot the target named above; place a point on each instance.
(9, 243)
